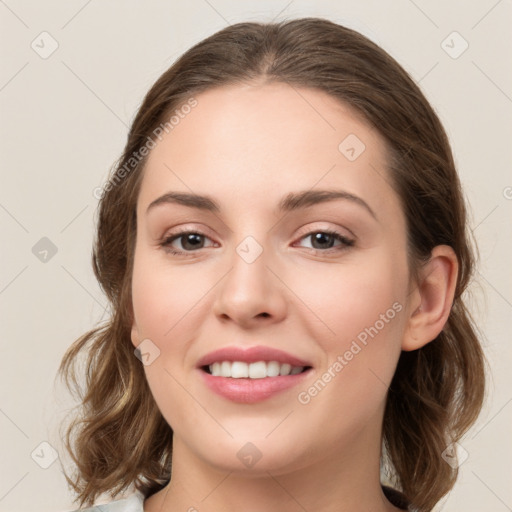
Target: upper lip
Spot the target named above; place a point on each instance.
(250, 355)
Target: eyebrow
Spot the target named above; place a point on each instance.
(292, 201)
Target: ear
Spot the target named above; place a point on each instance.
(135, 336)
(432, 299)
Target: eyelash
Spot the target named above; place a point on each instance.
(346, 242)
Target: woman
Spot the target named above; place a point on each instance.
(285, 248)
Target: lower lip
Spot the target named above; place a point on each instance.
(248, 391)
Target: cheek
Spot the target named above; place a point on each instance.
(362, 311)
(349, 298)
(163, 304)
(163, 298)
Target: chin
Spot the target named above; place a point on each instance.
(251, 455)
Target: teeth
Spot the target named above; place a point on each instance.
(273, 368)
(239, 370)
(258, 370)
(285, 369)
(225, 369)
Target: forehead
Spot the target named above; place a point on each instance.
(250, 144)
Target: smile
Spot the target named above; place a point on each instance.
(256, 370)
(252, 374)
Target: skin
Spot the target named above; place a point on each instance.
(247, 147)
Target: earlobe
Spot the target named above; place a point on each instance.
(435, 289)
(135, 335)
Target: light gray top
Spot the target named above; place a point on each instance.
(133, 503)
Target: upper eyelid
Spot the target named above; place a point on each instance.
(310, 230)
(302, 232)
(303, 229)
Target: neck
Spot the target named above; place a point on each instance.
(347, 481)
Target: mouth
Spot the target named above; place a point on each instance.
(255, 370)
(250, 375)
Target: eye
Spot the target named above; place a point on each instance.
(323, 240)
(190, 241)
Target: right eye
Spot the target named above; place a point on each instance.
(190, 241)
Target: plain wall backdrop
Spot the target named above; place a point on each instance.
(73, 74)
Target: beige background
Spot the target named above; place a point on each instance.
(64, 122)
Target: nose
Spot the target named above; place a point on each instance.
(252, 293)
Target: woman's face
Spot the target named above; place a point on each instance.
(261, 275)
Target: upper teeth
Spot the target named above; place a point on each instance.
(258, 370)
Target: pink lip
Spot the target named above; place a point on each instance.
(250, 355)
(247, 390)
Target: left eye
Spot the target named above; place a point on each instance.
(321, 239)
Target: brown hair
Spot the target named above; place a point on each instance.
(437, 391)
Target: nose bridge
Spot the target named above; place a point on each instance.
(249, 250)
(250, 288)
(249, 275)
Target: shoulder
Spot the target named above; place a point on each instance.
(133, 503)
